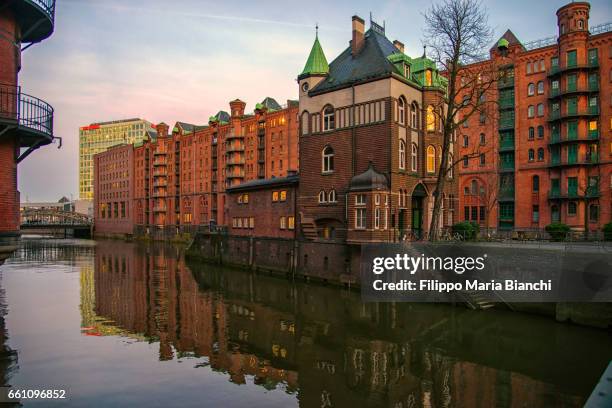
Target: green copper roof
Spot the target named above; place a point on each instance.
(316, 63)
(503, 43)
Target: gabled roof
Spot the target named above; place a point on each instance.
(370, 62)
(188, 127)
(316, 64)
(508, 36)
(270, 104)
(152, 134)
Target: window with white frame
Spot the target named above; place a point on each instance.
(328, 160)
(331, 197)
(322, 197)
(360, 218)
(401, 111)
(414, 157)
(402, 155)
(413, 115)
(329, 118)
(360, 199)
(377, 218)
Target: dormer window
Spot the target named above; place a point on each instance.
(305, 87)
(407, 71)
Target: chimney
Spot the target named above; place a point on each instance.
(162, 130)
(358, 35)
(399, 45)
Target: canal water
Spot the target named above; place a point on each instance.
(132, 325)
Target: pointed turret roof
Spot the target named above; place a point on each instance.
(316, 63)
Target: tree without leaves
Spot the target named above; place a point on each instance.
(457, 32)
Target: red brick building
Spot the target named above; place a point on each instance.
(263, 208)
(548, 147)
(26, 122)
(180, 176)
(370, 141)
(114, 191)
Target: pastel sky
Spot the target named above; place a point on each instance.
(185, 59)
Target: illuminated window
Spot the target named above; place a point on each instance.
(428, 80)
(431, 159)
(431, 119)
(290, 223)
(283, 195)
(275, 196)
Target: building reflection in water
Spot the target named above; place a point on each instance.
(326, 346)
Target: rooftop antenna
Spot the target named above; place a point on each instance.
(317, 30)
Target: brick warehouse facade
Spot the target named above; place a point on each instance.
(26, 122)
(180, 178)
(548, 146)
(370, 142)
(114, 190)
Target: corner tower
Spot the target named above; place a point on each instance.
(26, 122)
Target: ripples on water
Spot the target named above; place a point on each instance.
(124, 324)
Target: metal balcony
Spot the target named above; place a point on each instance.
(35, 17)
(574, 113)
(556, 69)
(31, 117)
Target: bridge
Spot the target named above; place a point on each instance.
(45, 221)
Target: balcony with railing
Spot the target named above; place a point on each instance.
(506, 144)
(555, 115)
(589, 159)
(36, 18)
(558, 138)
(557, 69)
(32, 117)
(505, 82)
(506, 194)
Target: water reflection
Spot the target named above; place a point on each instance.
(329, 349)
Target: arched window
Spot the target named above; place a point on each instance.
(540, 154)
(531, 133)
(414, 157)
(305, 123)
(431, 159)
(535, 183)
(431, 119)
(401, 114)
(530, 89)
(402, 155)
(531, 154)
(329, 118)
(530, 111)
(413, 115)
(328, 160)
(322, 196)
(540, 87)
(331, 197)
